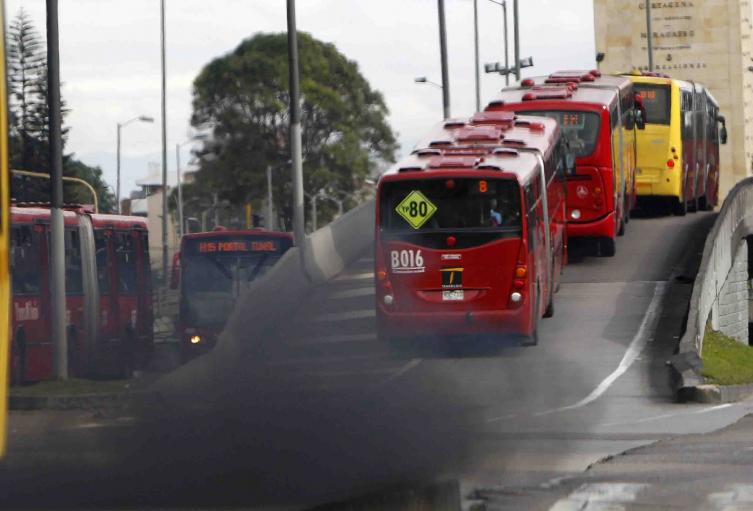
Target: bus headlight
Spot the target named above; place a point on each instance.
(516, 297)
(195, 339)
(575, 214)
(389, 299)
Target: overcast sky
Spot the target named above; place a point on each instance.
(110, 59)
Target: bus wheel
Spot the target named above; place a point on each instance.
(621, 230)
(607, 246)
(693, 206)
(680, 207)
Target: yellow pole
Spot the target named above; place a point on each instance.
(42, 175)
(249, 215)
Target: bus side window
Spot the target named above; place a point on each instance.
(103, 274)
(687, 116)
(73, 271)
(125, 255)
(25, 261)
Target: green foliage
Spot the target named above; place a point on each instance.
(29, 123)
(241, 101)
(725, 360)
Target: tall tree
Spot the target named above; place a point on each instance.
(241, 100)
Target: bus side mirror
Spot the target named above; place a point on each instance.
(640, 119)
(723, 131)
(175, 272)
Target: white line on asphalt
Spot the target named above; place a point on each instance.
(344, 316)
(666, 416)
(356, 276)
(599, 496)
(353, 293)
(650, 319)
(320, 360)
(397, 374)
(331, 339)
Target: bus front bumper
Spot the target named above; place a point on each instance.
(602, 227)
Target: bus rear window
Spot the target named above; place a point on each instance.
(579, 128)
(450, 203)
(656, 101)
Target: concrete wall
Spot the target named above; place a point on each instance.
(730, 313)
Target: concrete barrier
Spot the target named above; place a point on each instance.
(719, 291)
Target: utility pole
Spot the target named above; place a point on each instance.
(507, 58)
(649, 37)
(295, 129)
(270, 207)
(180, 189)
(475, 47)
(117, 185)
(164, 145)
(443, 53)
(516, 37)
(57, 248)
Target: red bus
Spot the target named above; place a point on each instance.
(470, 230)
(108, 294)
(215, 268)
(597, 114)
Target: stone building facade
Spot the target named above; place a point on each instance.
(708, 41)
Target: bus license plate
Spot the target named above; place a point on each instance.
(456, 295)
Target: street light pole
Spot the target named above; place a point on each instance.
(516, 37)
(475, 46)
(180, 189)
(507, 59)
(443, 54)
(295, 129)
(649, 37)
(57, 248)
(270, 207)
(121, 125)
(164, 144)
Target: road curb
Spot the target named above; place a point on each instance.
(707, 393)
(73, 402)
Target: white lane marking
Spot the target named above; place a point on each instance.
(666, 416)
(397, 374)
(332, 339)
(353, 293)
(650, 319)
(356, 276)
(599, 496)
(319, 360)
(344, 316)
(738, 497)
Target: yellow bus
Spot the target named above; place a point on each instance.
(678, 152)
(4, 239)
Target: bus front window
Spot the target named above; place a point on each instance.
(579, 128)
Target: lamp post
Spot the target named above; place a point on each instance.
(649, 37)
(503, 4)
(475, 53)
(443, 56)
(121, 125)
(423, 79)
(180, 185)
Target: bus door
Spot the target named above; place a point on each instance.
(75, 300)
(125, 244)
(144, 320)
(701, 146)
(106, 280)
(688, 145)
(545, 258)
(32, 347)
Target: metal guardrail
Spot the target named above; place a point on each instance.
(733, 223)
(42, 175)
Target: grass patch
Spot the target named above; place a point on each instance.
(73, 387)
(725, 360)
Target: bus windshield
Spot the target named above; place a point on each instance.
(215, 271)
(456, 203)
(656, 101)
(579, 128)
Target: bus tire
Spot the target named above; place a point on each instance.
(693, 205)
(18, 361)
(607, 246)
(621, 230)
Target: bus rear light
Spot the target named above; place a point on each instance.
(575, 214)
(519, 283)
(451, 241)
(670, 163)
(521, 272)
(597, 190)
(388, 299)
(673, 149)
(382, 275)
(516, 297)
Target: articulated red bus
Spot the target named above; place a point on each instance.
(597, 114)
(470, 230)
(108, 294)
(214, 269)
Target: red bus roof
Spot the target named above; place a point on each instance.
(24, 214)
(574, 88)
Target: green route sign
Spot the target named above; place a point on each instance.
(416, 209)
